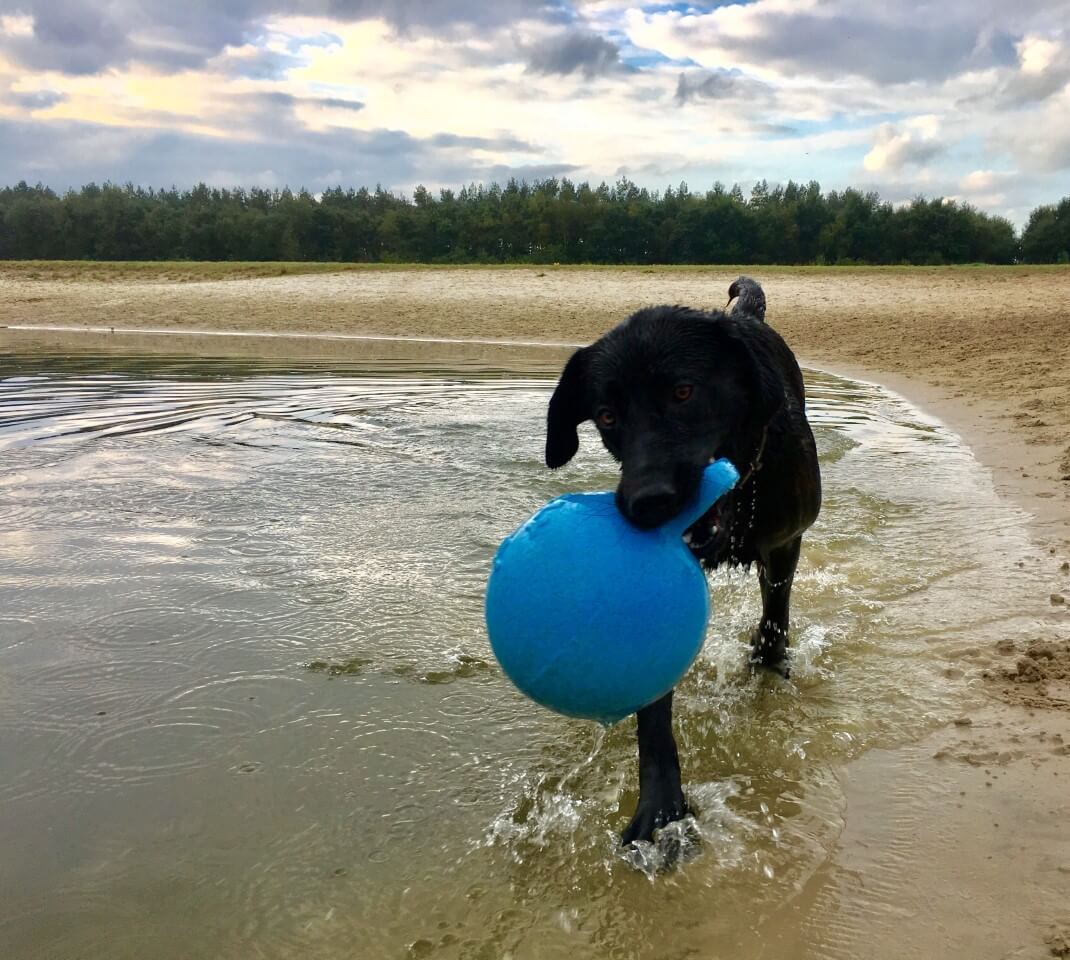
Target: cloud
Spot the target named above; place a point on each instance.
(37, 99)
(897, 147)
(69, 154)
(259, 64)
(501, 173)
(574, 52)
(88, 36)
(1039, 142)
(281, 99)
(16, 25)
(980, 181)
(1044, 70)
(833, 39)
(69, 35)
(436, 15)
(503, 143)
(720, 85)
(985, 188)
(1036, 53)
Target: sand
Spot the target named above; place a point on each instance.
(967, 851)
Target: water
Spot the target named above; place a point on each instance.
(248, 708)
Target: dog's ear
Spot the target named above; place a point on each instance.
(758, 364)
(568, 409)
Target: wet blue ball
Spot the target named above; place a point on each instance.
(593, 617)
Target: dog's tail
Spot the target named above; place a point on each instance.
(749, 297)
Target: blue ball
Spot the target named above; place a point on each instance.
(593, 617)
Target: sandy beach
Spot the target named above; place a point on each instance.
(985, 350)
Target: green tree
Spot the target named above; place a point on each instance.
(543, 221)
(1046, 238)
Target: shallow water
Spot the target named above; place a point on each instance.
(248, 707)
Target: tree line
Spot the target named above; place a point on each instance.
(545, 221)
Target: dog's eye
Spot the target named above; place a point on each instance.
(606, 418)
(682, 392)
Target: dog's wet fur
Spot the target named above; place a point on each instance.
(670, 389)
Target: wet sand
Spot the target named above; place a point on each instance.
(957, 846)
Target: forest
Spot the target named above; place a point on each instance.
(546, 221)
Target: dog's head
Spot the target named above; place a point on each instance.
(669, 390)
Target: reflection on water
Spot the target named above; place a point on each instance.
(249, 710)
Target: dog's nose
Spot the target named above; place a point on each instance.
(652, 505)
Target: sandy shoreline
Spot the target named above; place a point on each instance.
(986, 351)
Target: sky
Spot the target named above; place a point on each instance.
(966, 99)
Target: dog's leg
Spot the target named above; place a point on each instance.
(661, 798)
(776, 574)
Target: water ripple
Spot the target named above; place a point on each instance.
(243, 662)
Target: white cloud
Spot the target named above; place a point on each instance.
(16, 25)
(979, 180)
(1036, 53)
(897, 147)
(1037, 141)
(987, 189)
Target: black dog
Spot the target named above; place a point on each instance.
(670, 389)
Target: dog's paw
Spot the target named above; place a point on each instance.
(780, 668)
(653, 814)
(770, 651)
